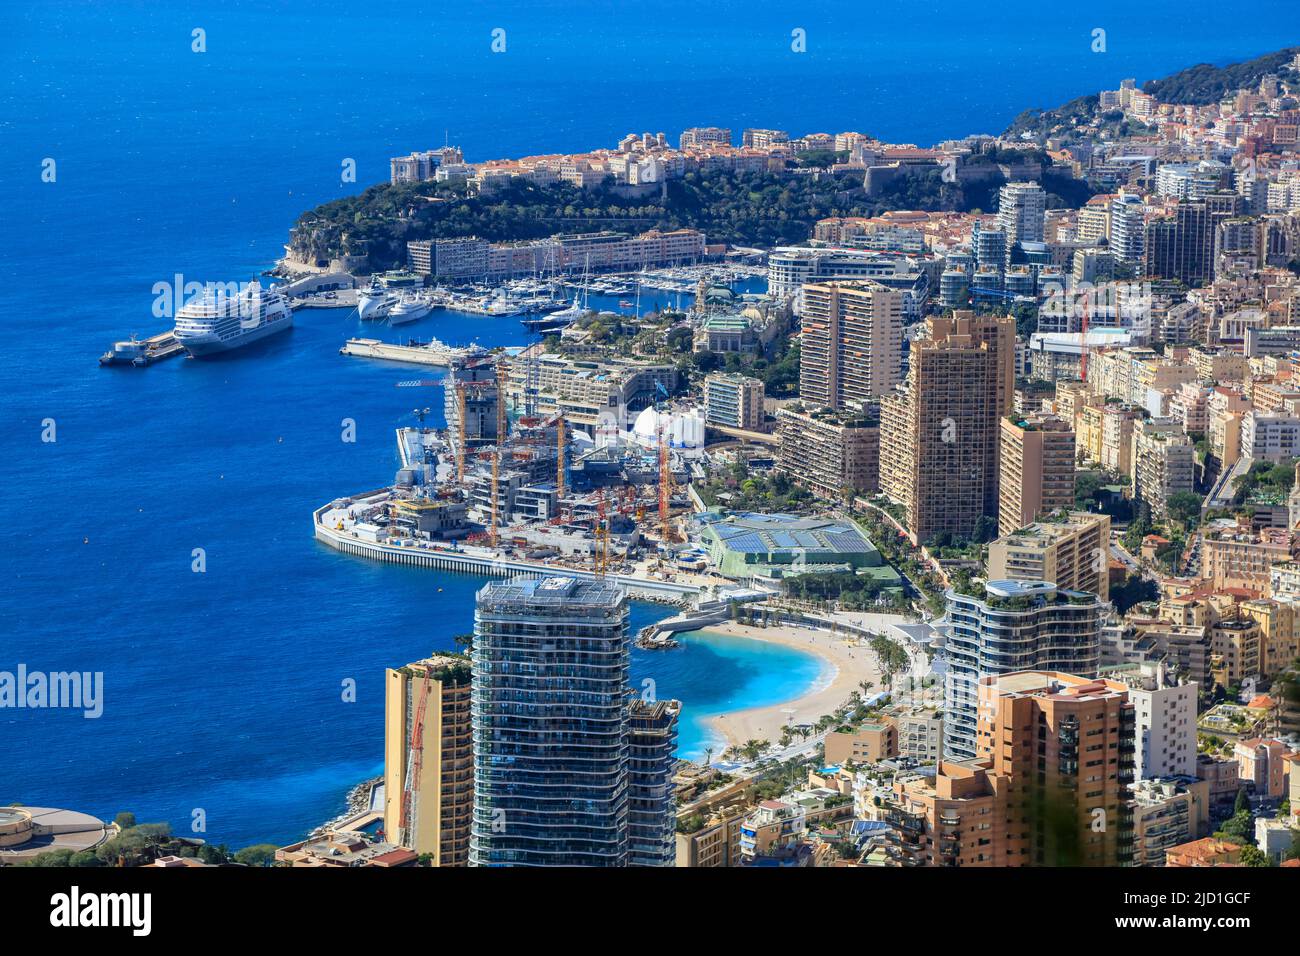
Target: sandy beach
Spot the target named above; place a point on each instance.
(852, 664)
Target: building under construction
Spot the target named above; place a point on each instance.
(530, 484)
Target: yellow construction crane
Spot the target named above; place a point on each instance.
(602, 546)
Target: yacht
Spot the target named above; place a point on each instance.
(556, 320)
(375, 301)
(409, 308)
(218, 319)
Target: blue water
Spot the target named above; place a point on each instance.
(224, 689)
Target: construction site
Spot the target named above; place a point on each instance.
(503, 479)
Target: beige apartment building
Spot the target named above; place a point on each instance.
(1065, 745)
(1070, 552)
(1262, 762)
(583, 389)
(1279, 631)
(1036, 469)
(1068, 402)
(1214, 366)
(1235, 648)
(958, 817)
(920, 735)
(940, 430)
(733, 401)
(1224, 411)
(1163, 461)
(1240, 558)
(1049, 745)
(1117, 422)
(870, 742)
(427, 710)
(715, 844)
(830, 454)
(851, 342)
(1167, 813)
(1130, 373)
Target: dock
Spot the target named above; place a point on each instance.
(142, 352)
(478, 560)
(416, 353)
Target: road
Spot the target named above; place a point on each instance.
(1129, 561)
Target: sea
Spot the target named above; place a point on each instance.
(140, 142)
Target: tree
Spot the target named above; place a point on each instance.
(1252, 855)
(1184, 506)
(1242, 803)
(124, 820)
(260, 854)
(986, 529)
(1293, 851)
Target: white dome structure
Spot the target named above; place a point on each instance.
(683, 429)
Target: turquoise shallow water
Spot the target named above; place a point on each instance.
(722, 674)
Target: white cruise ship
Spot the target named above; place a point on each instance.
(218, 319)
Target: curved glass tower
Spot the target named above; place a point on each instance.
(1013, 626)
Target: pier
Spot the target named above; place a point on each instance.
(142, 352)
(660, 636)
(408, 354)
(475, 560)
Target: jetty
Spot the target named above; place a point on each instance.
(476, 560)
(415, 353)
(659, 636)
(142, 352)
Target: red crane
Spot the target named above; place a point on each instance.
(414, 763)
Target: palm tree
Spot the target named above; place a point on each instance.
(708, 755)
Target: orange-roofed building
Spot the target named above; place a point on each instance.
(1209, 851)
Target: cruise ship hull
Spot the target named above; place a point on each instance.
(209, 343)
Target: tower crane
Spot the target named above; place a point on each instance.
(414, 766)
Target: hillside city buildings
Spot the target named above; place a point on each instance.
(1032, 465)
